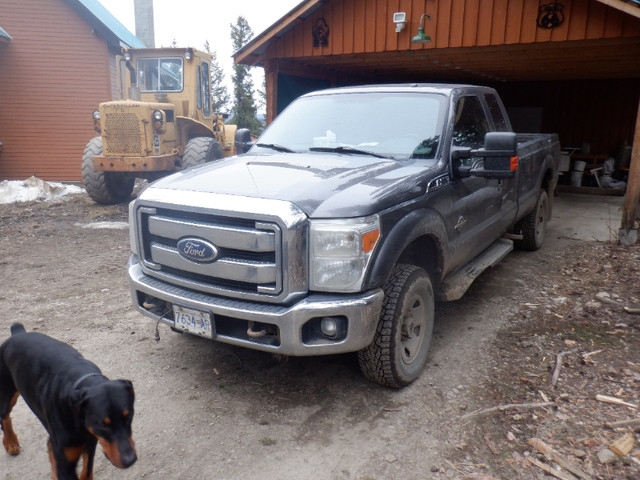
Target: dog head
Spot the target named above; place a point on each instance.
(107, 410)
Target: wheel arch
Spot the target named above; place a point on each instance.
(189, 128)
(549, 180)
(417, 239)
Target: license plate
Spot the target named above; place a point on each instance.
(193, 321)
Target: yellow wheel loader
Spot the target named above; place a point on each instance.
(166, 124)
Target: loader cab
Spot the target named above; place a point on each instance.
(179, 76)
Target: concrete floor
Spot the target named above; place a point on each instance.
(586, 217)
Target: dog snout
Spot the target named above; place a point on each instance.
(128, 458)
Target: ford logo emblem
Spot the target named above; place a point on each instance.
(197, 250)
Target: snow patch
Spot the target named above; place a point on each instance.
(105, 225)
(34, 189)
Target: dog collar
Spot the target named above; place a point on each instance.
(83, 378)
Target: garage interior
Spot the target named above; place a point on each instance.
(570, 67)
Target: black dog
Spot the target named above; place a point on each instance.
(77, 405)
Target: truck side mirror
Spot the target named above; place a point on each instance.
(242, 140)
(500, 155)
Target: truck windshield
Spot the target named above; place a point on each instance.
(160, 74)
(398, 125)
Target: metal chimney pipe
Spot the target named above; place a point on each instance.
(143, 10)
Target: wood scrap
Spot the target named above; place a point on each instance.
(559, 360)
(586, 355)
(623, 445)
(556, 473)
(614, 400)
(633, 311)
(511, 406)
(557, 457)
(634, 422)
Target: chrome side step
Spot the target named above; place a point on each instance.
(456, 284)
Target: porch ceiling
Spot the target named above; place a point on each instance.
(586, 59)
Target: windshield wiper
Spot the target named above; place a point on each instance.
(345, 149)
(275, 146)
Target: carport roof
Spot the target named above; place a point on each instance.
(591, 57)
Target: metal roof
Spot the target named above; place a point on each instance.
(4, 35)
(96, 15)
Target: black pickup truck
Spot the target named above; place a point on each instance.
(355, 211)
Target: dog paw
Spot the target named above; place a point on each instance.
(12, 448)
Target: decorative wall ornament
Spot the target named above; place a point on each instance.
(320, 33)
(550, 15)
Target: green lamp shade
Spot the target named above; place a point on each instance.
(421, 37)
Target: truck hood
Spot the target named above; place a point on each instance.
(323, 185)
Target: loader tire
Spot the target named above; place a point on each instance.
(200, 150)
(103, 187)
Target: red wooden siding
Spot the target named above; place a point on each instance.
(53, 73)
(365, 26)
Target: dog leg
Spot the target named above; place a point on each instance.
(87, 460)
(64, 462)
(10, 439)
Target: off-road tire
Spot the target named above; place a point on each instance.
(104, 187)
(200, 150)
(533, 227)
(398, 353)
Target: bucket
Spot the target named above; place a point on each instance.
(576, 173)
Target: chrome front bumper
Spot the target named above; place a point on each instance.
(360, 310)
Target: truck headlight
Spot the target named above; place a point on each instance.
(340, 251)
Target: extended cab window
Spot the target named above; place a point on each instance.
(160, 74)
(470, 125)
(496, 113)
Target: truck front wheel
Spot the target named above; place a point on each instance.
(398, 353)
(103, 187)
(534, 225)
(200, 150)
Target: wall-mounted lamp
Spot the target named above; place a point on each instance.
(421, 37)
(400, 19)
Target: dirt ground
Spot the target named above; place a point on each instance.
(209, 410)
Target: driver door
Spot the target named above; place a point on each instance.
(475, 221)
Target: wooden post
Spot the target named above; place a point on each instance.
(627, 235)
(271, 76)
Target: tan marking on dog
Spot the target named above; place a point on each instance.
(54, 465)
(10, 439)
(73, 454)
(85, 474)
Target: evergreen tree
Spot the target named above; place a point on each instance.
(220, 98)
(244, 110)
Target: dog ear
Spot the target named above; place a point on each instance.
(79, 399)
(128, 385)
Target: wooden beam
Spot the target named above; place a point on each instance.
(271, 80)
(627, 235)
(626, 7)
